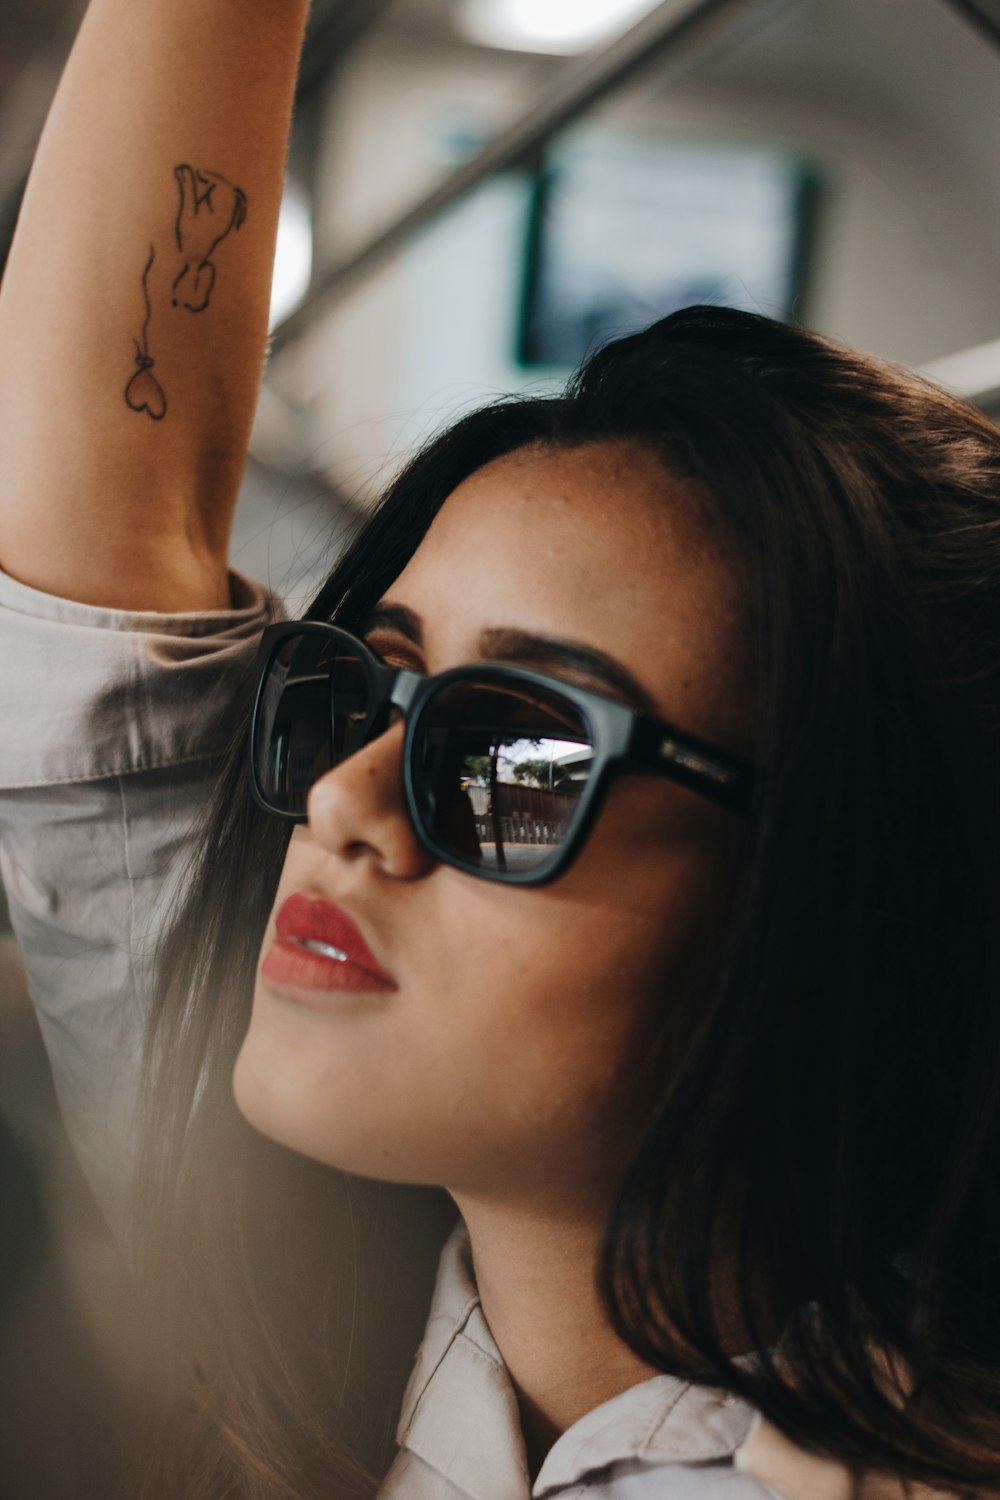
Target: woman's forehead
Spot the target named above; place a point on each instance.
(598, 545)
(606, 513)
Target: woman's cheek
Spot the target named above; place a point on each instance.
(514, 1056)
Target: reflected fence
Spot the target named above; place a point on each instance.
(523, 815)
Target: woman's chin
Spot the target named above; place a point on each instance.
(282, 1101)
(272, 1096)
(259, 1101)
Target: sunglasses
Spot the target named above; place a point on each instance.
(504, 769)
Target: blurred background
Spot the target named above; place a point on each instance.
(480, 190)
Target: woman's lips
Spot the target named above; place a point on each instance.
(318, 947)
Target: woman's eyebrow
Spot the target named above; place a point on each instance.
(394, 617)
(527, 650)
(542, 651)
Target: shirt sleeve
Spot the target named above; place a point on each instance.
(114, 724)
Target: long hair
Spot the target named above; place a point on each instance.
(826, 1141)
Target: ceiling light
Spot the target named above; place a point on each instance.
(548, 25)
(292, 256)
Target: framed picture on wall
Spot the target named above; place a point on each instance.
(624, 229)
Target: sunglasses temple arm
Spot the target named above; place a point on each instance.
(657, 748)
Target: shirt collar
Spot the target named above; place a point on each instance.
(664, 1420)
(460, 1417)
(460, 1412)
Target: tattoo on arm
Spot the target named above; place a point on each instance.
(144, 392)
(210, 209)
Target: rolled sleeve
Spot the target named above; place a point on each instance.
(94, 693)
(114, 726)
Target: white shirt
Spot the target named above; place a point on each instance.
(664, 1439)
(460, 1434)
(111, 727)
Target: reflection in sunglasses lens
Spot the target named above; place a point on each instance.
(500, 773)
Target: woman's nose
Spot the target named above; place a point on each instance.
(359, 811)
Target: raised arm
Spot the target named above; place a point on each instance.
(133, 310)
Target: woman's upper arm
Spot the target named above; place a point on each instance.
(133, 312)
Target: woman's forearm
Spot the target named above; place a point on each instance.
(133, 312)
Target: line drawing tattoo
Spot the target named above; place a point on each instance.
(210, 208)
(144, 392)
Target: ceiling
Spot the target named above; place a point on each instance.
(818, 47)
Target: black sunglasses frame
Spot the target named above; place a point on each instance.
(622, 740)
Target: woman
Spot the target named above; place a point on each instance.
(708, 1059)
(747, 1066)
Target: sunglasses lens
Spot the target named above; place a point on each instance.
(499, 772)
(313, 712)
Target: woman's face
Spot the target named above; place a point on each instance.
(511, 1057)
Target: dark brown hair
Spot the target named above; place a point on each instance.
(838, 1101)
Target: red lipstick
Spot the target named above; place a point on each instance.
(319, 948)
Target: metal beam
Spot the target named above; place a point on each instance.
(578, 88)
(983, 14)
